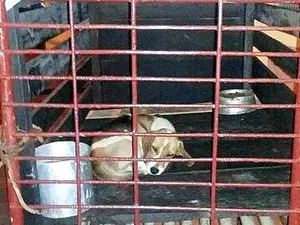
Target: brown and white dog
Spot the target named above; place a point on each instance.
(148, 147)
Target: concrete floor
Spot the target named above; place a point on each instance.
(265, 220)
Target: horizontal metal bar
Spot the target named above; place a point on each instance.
(184, 27)
(105, 106)
(185, 53)
(257, 135)
(169, 208)
(164, 183)
(260, 28)
(50, 95)
(151, 79)
(122, 106)
(257, 106)
(149, 27)
(269, 54)
(37, 51)
(41, 105)
(104, 134)
(37, 77)
(204, 135)
(264, 211)
(68, 112)
(111, 52)
(203, 160)
(57, 158)
(256, 160)
(173, 208)
(37, 25)
(257, 185)
(152, 52)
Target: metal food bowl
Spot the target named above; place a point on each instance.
(63, 194)
(234, 97)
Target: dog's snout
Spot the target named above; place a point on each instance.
(154, 170)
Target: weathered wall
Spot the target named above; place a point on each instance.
(32, 38)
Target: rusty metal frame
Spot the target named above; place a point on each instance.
(9, 124)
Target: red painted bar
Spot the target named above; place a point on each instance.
(134, 100)
(213, 202)
(122, 106)
(8, 118)
(156, 183)
(76, 111)
(229, 160)
(294, 218)
(149, 27)
(150, 52)
(151, 78)
(103, 134)
(173, 208)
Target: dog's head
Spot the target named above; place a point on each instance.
(162, 147)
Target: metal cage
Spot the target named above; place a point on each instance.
(11, 134)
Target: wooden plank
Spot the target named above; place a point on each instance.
(295, 6)
(56, 85)
(228, 221)
(283, 15)
(46, 3)
(169, 223)
(57, 40)
(249, 220)
(286, 39)
(266, 220)
(54, 42)
(204, 221)
(195, 222)
(186, 222)
(277, 71)
(114, 113)
(61, 38)
(284, 219)
(277, 220)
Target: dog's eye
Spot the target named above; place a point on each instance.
(154, 149)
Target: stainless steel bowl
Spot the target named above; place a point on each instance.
(235, 97)
(63, 194)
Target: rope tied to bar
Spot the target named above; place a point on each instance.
(7, 154)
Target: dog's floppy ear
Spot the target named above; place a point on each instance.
(183, 153)
(147, 144)
(145, 121)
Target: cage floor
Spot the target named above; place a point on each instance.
(188, 196)
(260, 121)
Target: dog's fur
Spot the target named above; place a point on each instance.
(148, 147)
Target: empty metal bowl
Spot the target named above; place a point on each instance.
(234, 97)
(59, 193)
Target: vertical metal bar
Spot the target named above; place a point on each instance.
(76, 111)
(216, 114)
(8, 116)
(248, 42)
(294, 218)
(134, 112)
